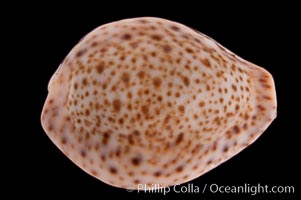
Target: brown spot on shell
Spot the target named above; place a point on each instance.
(201, 103)
(116, 104)
(156, 37)
(236, 129)
(158, 173)
(83, 153)
(141, 74)
(186, 80)
(100, 67)
(85, 81)
(125, 77)
(113, 170)
(175, 28)
(144, 109)
(136, 160)
(157, 81)
(179, 138)
(181, 108)
(206, 62)
(126, 36)
(234, 87)
(179, 169)
(81, 53)
(166, 48)
(189, 50)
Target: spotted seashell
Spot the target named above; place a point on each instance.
(151, 101)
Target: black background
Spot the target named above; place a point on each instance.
(264, 35)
